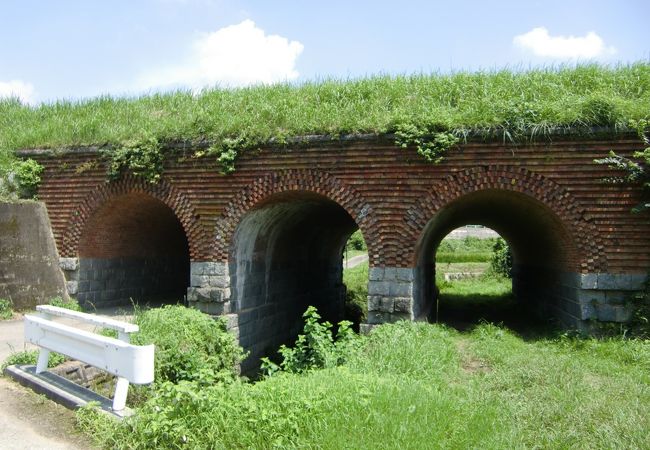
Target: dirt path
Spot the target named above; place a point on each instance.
(30, 421)
(355, 261)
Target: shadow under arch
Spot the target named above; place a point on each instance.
(548, 233)
(132, 245)
(162, 191)
(285, 236)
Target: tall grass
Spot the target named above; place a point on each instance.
(415, 385)
(514, 102)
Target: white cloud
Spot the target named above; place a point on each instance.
(18, 89)
(540, 43)
(237, 55)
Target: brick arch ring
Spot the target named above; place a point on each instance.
(575, 219)
(313, 181)
(128, 184)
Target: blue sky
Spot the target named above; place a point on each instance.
(62, 49)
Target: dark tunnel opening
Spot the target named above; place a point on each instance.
(538, 241)
(133, 249)
(287, 255)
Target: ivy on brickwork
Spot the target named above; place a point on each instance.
(636, 170)
(143, 158)
(430, 144)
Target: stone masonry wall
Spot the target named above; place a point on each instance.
(29, 271)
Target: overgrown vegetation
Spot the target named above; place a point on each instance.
(6, 309)
(67, 304)
(501, 258)
(634, 170)
(30, 357)
(429, 112)
(413, 385)
(19, 179)
(316, 348)
(190, 345)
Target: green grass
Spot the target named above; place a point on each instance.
(414, 385)
(468, 249)
(6, 309)
(356, 302)
(456, 267)
(30, 357)
(509, 102)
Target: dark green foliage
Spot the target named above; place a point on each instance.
(316, 348)
(356, 295)
(356, 242)
(190, 345)
(501, 261)
(639, 326)
(30, 357)
(633, 171)
(6, 309)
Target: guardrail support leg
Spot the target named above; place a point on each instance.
(119, 398)
(43, 357)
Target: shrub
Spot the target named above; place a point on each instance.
(190, 345)
(501, 262)
(316, 348)
(28, 176)
(6, 310)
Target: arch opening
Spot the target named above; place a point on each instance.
(133, 249)
(540, 245)
(472, 276)
(287, 254)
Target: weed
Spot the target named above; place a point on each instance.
(316, 348)
(190, 345)
(28, 176)
(30, 357)
(69, 304)
(6, 309)
(501, 259)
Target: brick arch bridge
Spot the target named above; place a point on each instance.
(270, 235)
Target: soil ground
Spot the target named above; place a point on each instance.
(30, 421)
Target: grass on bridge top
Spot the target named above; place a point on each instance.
(519, 103)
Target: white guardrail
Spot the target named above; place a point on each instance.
(130, 363)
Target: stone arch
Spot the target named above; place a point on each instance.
(128, 184)
(312, 181)
(587, 253)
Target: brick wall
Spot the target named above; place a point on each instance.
(548, 197)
